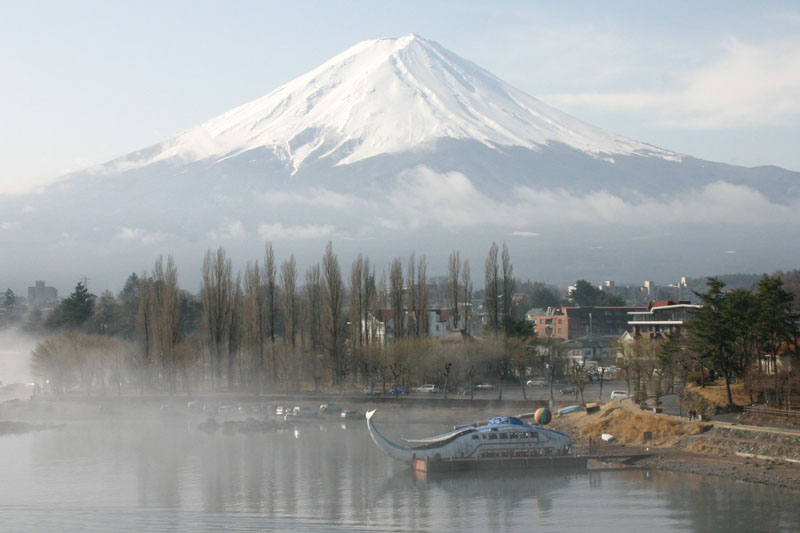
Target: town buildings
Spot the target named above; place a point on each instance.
(571, 322)
(661, 318)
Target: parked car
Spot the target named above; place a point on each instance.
(302, 410)
(536, 382)
(281, 410)
(398, 390)
(618, 394)
(428, 388)
(372, 390)
(567, 390)
(330, 409)
(484, 386)
(350, 414)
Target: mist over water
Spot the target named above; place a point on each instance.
(145, 468)
(15, 356)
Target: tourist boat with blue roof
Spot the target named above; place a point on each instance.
(505, 439)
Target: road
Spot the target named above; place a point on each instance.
(591, 392)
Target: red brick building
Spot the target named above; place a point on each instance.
(581, 321)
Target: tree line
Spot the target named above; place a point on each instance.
(270, 328)
(736, 336)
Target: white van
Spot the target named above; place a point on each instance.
(618, 394)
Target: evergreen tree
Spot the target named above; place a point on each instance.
(712, 334)
(74, 311)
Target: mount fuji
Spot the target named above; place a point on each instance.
(399, 145)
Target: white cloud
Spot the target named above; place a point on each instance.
(749, 85)
(422, 196)
(28, 209)
(449, 201)
(317, 196)
(5, 226)
(309, 231)
(227, 230)
(717, 203)
(140, 235)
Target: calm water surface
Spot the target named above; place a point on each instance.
(166, 475)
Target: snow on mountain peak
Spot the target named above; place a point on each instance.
(386, 96)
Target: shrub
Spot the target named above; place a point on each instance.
(700, 377)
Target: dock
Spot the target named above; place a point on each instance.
(593, 458)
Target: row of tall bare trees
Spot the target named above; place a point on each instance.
(267, 328)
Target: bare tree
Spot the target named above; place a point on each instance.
(333, 291)
(145, 335)
(466, 298)
(357, 303)
(491, 293)
(271, 296)
(452, 288)
(381, 303)
(254, 323)
(313, 290)
(368, 296)
(411, 302)
(217, 292)
(167, 316)
(289, 299)
(422, 297)
(508, 286)
(396, 282)
(235, 331)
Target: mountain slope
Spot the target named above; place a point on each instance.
(387, 96)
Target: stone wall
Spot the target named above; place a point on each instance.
(747, 442)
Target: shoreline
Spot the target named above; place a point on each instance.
(779, 474)
(675, 458)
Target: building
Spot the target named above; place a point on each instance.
(40, 294)
(581, 321)
(661, 318)
(597, 349)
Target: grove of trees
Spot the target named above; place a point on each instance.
(272, 328)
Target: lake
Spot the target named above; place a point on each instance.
(163, 474)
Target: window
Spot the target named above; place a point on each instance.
(475, 437)
(513, 436)
(492, 436)
(560, 331)
(503, 436)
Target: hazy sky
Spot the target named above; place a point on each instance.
(84, 82)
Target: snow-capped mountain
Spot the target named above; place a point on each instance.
(388, 96)
(399, 145)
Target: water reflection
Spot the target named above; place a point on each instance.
(165, 474)
(715, 504)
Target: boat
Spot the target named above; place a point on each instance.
(569, 409)
(500, 437)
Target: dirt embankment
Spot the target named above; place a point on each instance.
(738, 453)
(627, 427)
